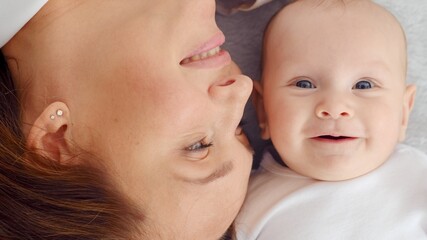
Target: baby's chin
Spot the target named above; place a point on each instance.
(338, 169)
(339, 176)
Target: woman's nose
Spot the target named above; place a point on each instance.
(232, 91)
(334, 108)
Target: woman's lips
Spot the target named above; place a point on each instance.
(203, 55)
(208, 54)
(212, 43)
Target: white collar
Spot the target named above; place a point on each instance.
(14, 14)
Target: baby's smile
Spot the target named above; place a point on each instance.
(332, 138)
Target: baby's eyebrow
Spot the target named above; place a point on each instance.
(220, 172)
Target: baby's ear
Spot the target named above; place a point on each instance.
(47, 135)
(258, 101)
(408, 105)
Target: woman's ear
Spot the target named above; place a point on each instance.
(408, 105)
(47, 135)
(258, 101)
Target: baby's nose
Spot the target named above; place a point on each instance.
(334, 109)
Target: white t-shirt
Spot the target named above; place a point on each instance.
(388, 203)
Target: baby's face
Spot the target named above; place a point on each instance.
(334, 88)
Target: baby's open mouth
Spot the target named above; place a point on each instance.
(331, 138)
(201, 56)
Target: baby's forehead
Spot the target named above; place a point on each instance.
(306, 11)
(331, 24)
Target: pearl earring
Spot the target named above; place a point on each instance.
(59, 113)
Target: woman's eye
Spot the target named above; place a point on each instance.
(198, 146)
(304, 84)
(363, 85)
(198, 151)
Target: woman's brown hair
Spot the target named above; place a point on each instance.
(42, 199)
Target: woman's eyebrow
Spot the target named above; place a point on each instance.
(220, 172)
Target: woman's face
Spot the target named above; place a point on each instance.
(163, 124)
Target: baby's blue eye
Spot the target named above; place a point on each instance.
(304, 84)
(363, 85)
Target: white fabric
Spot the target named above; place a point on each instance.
(389, 203)
(14, 14)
